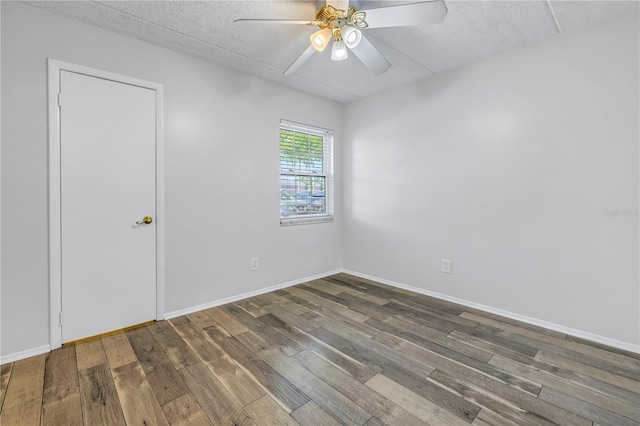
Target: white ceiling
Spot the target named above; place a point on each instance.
(472, 31)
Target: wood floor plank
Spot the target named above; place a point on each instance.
(325, 285)
(570, 364)
(413, 403)
(21, 415)
(266, 411)
(90, 353)
(401, 295)
(5, 375)
(282, 390)
(489, 418)
(492, 336)
(172, 344)
(588, 395)
(322, 394)
(61, 395)
(318, 315)
(585, 409)
(373, 421)
(514, 322)
(347, 364)
(215, 400)
(23, 399)
(433, 308)
(328, 304)
(139, 403)
(283, 302)
(251, 307)
(502, 385)
(118, 349)
(185, 411)
(148, 352)
(424, 318)
(488, 400)
(458, 364)
(373, 311)
(226, 321)
(292, 319)
(436, 315)
(407, 331)
(604, 347)
(525, 401)
(60, 374)
(340, 287)
(66, 411)
(179, 320)
(586, 381)
(588, 350)
(26, 383)
(99, 398)
(487, 346)
(632, 374)
(390, 355)
(201, 319)
(239, 384)
(167, 383)
(371, 401)
(311, 414)
(417, 384)
(287, 345)
(346, 301)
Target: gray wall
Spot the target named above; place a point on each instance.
(507, 167)
(221, 147)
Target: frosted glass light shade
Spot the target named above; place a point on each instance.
(320, 39)
(339, 51)
(351, 36)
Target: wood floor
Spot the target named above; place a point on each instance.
(341, 350)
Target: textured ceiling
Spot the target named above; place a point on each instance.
(472, 30)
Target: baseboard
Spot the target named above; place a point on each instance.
(529, 320)
(235, 298)
(17, 356)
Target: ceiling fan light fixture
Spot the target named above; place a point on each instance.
(339, 51)
(320, 39)
(351, 36)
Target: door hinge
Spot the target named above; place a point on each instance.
(60, 318)
(59, 99)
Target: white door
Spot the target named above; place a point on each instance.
(108, 183)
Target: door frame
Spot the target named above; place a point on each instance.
(54, 67)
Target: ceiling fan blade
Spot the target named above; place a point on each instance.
(430, 12)
(301, 60)
(339, 4)
(369, 55)
(278, 21)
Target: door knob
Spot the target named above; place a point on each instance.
(146, 219)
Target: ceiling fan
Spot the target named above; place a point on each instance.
(343, 23)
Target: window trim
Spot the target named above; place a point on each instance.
(327, 152)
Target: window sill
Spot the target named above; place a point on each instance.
(289, 221)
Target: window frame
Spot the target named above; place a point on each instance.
(327, 166)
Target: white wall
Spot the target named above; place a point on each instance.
(506, 167)
(221, 143)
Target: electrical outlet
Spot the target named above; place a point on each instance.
(255, 263)
(446, 266)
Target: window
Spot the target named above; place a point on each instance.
(306, 174)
